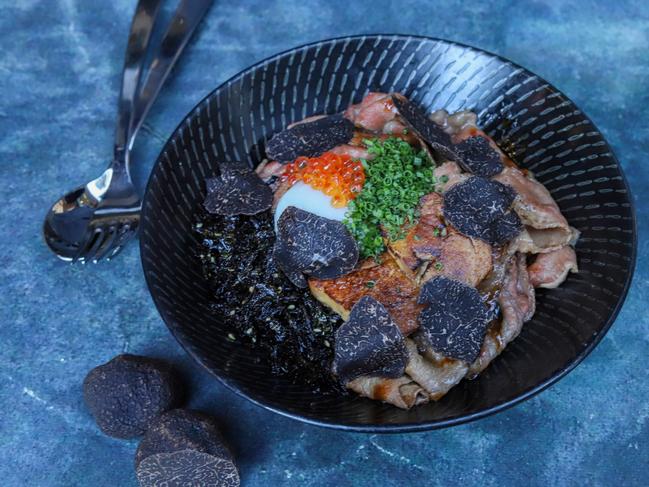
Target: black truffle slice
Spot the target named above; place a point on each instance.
(185, 448)
(284, 262)
(231, 167)
(369, 343)
(478, 157)
(314, 245)
(476, 207)
(455, 319)
(506, 228)
(186, 468)
(425, 128)
(310, 139)
(237, 191)
(126, 394)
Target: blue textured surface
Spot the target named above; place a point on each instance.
(59, 69)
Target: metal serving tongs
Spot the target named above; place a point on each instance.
(96, 220)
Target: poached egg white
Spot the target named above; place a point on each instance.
(306, 198)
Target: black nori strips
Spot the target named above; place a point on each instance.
(185, 448)
(127, 393)
(237, 191)
(479, 208)
(478, 157)
(313, 245)
(369, 343)
(425, 128)
(455, 319)
(260, 306)
(310, 139)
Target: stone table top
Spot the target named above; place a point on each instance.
(60, 63)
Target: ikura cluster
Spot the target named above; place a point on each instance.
(338, 176)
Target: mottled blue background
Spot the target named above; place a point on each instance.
(60, 62)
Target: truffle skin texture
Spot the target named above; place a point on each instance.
(478, 157)
(369, 343)
(186, 467)
(310, 139)
(425, 128)
(126, 394)
(284, 262)
(237, 191)
(314, 245)
(506, 228)
(185, 447)
(481, 208)
(455, 318)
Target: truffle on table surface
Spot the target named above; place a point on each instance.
(185, 447)
(127, 393)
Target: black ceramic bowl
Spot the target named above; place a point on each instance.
(538, 125)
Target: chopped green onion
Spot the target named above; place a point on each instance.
(395, 180)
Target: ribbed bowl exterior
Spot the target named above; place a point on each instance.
(534, 122)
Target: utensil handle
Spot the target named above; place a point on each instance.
(142, 24)
(183, 24)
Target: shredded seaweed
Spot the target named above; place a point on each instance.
(285, 325)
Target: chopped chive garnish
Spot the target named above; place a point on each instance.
(395, 181)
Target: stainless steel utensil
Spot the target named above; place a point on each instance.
(96, 220)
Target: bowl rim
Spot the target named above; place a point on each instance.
(411, 426)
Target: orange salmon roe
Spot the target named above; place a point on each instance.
(338, 176)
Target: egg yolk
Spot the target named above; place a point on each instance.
(338, 176)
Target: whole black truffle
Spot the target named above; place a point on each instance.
(126, 394)
(310, 139)
(237, 191)
(455, 319)
(369, 343)
(184, 447)
(416, 119)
